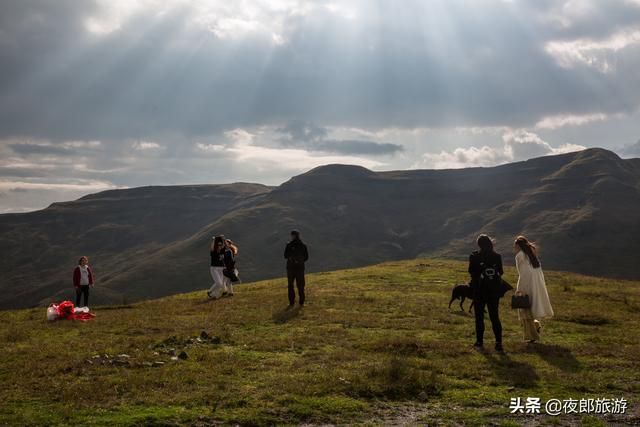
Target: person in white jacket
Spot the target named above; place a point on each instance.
(531, 282)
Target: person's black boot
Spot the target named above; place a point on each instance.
(499, 348)
(478, 346)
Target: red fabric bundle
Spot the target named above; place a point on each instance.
(83, 317)
(66, 311)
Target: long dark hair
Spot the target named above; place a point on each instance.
(485, 243)
(529, 249)
(218, 239)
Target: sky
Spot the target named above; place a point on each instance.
(103, 94)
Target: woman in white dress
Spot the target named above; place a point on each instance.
(531, 282)
(221, 256)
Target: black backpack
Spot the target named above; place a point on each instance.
(297, 253)
(490, 276)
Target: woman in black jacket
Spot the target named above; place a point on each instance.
(485, 268)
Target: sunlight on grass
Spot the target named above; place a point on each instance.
(374, 345)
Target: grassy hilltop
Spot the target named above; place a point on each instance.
(375, 345)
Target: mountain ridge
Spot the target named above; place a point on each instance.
(582, 208)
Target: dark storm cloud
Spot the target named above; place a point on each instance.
(350, 146)
(34, 33)
(299, 131)
(300, 134)
(398, 64)
(21, 172)
(28, 149)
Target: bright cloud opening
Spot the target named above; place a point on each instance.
(518, 145)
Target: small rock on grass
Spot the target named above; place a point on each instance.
(158, 363)
(205, 337)
(183, 355)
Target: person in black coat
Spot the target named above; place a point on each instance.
(485, 268)
(296, 254)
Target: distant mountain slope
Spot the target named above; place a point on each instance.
(114, 228)
(582, 208)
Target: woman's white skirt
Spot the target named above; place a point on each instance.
(221, 283)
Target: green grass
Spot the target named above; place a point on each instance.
(374, 345)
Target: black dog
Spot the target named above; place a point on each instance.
(462, 292)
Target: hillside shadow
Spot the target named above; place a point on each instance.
(512, 372)
(558, 356)
(286, 314)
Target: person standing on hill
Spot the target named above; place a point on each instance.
(230, 270)
(82, 280)
(531, 282)
(485, 268)
(221, 260)
(296, 254)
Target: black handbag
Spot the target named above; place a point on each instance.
(231, 274)
(520, 300)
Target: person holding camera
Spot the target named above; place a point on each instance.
(296, 254)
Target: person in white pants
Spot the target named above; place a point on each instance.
(221, 283)
(220, 257)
